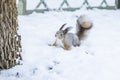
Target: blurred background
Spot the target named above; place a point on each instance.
(29, 6)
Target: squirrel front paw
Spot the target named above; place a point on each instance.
(54, 44)
(66, 47)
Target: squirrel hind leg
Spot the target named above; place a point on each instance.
(76, 41)
(76, 45)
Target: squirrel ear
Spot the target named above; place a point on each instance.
(67, 29)
(62, 26)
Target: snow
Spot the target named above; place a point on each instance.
(96, 59)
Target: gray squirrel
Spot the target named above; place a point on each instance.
(73, 39)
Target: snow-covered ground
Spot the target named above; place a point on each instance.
(98, 57)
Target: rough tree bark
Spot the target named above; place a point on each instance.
(10, 47)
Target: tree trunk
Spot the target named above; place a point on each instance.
(10, 46)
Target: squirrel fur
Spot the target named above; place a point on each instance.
(73, 39)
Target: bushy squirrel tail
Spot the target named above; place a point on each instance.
(83, 24)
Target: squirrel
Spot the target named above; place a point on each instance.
(73, 39)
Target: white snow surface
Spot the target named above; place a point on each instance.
(97, 58)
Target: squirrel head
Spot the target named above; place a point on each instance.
(60, 34)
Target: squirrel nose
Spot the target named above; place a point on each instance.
(55, 35)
